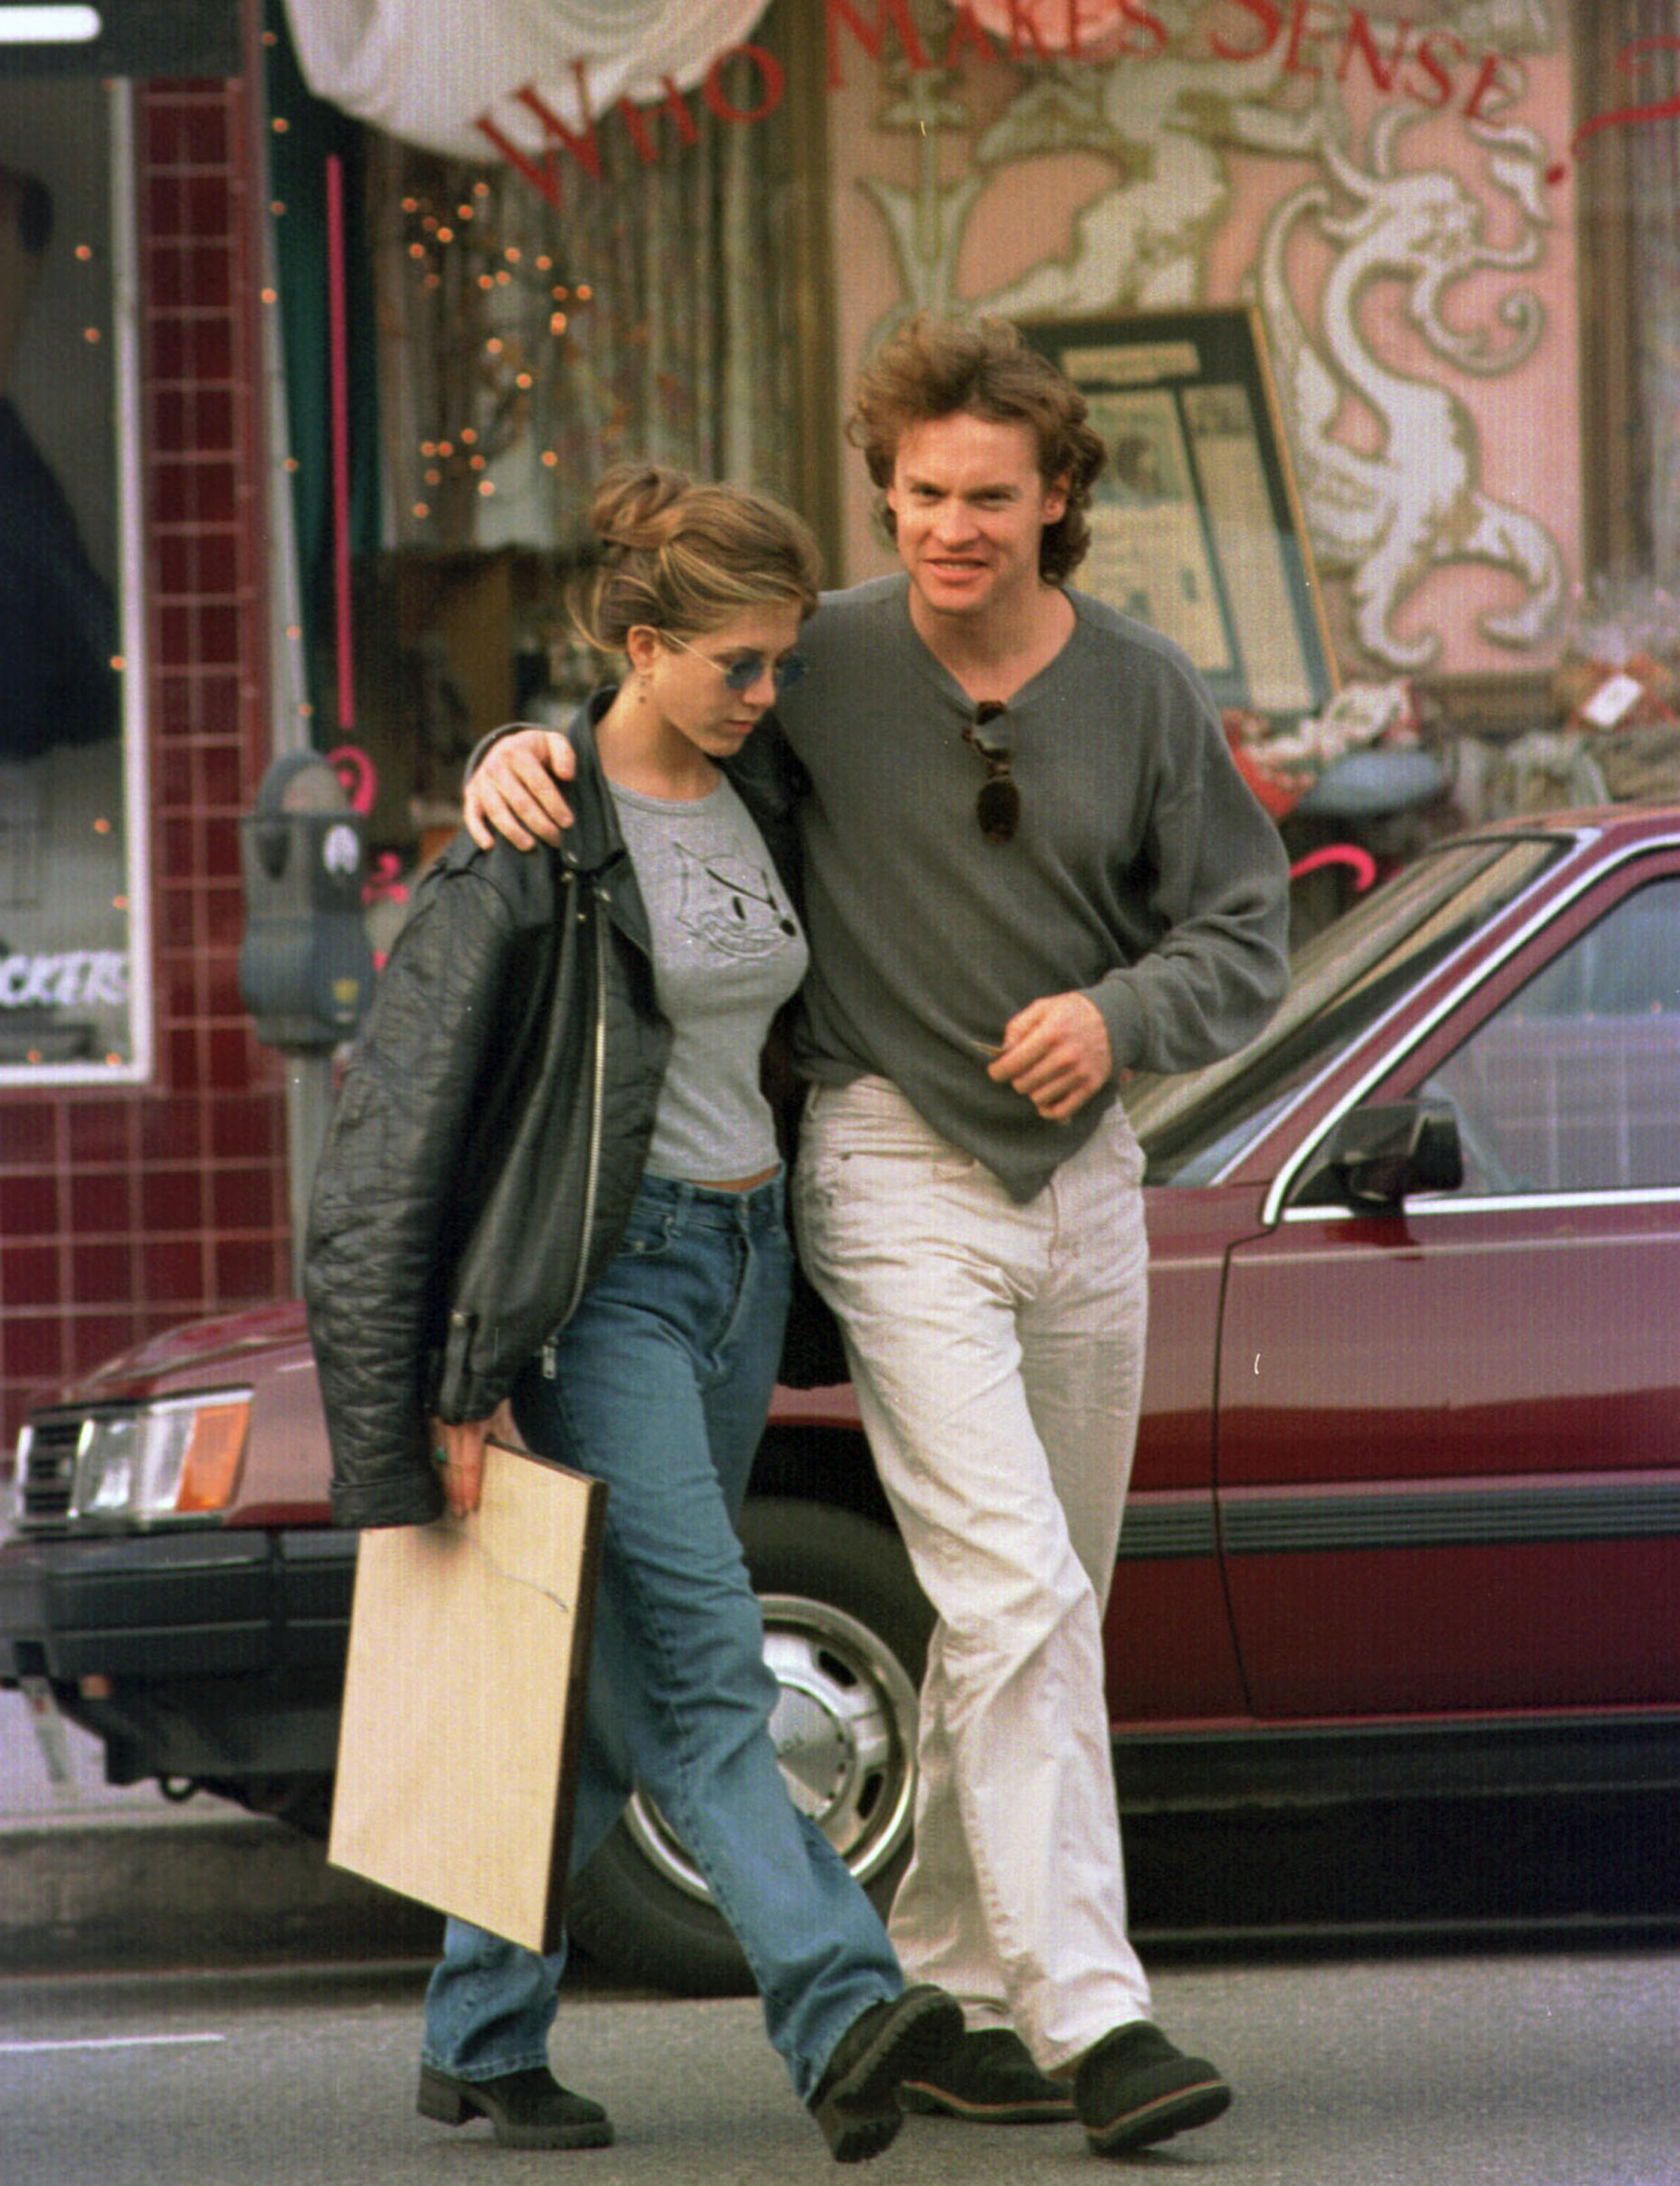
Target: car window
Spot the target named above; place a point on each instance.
(1571, 1086)
(1341, 983)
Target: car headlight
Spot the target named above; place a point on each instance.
(177, 1458)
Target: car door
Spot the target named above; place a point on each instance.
(1447, 1436)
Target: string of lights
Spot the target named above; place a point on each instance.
(503, 309)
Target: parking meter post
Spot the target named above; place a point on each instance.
(309, 1107)
(306, 963)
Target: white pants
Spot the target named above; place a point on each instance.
(997, 1352)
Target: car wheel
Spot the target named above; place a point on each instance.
(846, 1631)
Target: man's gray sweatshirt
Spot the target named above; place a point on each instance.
(1143, 873)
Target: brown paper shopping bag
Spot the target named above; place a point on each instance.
(464, 1700)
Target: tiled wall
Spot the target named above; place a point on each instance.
(122, 1213)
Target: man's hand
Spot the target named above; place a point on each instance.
(458, 1455)
(515, 791)
(1055, 1053)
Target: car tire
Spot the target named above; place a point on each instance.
(846, 1630)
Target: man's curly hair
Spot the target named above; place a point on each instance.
(933, 368)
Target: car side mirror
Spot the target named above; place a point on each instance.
(1376, 1157)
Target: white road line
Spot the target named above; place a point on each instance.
(107, 2042)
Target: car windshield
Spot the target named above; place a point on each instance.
(1192, 1125)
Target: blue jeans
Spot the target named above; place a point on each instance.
(660, 1386)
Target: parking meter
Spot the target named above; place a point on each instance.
(306, 963)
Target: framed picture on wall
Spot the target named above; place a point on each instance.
(1195, 526)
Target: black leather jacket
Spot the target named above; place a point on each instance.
(491, 1133)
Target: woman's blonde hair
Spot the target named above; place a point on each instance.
(687, 558)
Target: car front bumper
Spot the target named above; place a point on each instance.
(187, 1654)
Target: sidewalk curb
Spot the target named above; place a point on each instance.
(204, 1891)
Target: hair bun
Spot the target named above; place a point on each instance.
(630, 502)
(687, 558)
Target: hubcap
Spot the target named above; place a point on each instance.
(844, 1732)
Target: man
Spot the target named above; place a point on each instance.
(1031, 867)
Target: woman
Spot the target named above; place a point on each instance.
(552, 1183)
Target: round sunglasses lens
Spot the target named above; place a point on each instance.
(997, 810)
(742, 675)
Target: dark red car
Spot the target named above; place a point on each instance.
(1406, 1512)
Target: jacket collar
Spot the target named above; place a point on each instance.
(592, 842)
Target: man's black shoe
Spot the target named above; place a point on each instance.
(990, 2077)
(1135, 2088)
(525, 2110)
(856, 2102)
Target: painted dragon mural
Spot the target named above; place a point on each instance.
(1387, 505)
(1387, 516)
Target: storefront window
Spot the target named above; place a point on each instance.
(534, 325)
(73, 955)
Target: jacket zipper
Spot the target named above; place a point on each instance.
(592, 1173)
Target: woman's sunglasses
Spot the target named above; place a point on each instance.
(741, 674)
(998, 807)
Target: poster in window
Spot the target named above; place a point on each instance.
(70, 892)
(1195, 526)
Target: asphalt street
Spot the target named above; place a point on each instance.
(1432, 2034)
(1540, 2069)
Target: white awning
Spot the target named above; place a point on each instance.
(427, 72)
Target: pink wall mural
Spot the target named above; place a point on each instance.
(1396, 201)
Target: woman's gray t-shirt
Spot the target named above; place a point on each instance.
(728, 951)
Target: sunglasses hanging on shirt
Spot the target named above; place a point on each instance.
(998, 807)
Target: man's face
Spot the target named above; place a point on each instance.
(970, 508)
